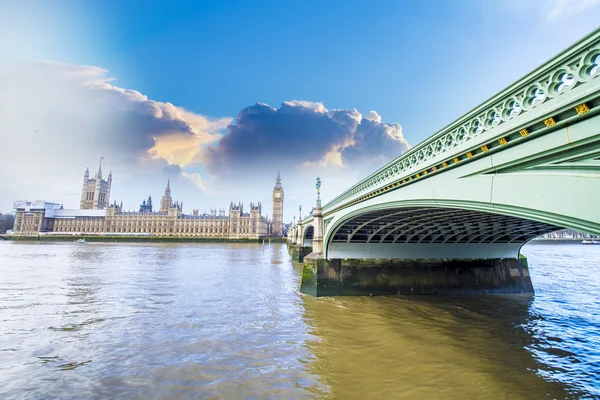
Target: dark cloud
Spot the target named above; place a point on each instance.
(59, 118)
(303, 133)
(375, 139)
(261, 134)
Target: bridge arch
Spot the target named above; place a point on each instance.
(308, 235)
(426, 229)
(519, 165)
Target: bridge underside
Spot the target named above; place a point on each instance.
(431, 232)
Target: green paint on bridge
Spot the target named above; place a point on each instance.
(524, 163)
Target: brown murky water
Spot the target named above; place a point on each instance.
(190, 321)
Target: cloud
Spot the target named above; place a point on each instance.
(564, 8)
(196, 178)
(303, 133)
(545, 11)
(302, 139)
(58, 118)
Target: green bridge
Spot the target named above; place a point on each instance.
(451, 214)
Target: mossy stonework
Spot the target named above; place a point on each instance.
(352, 277)
(298, 253)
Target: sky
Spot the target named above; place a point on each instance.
(218, 96)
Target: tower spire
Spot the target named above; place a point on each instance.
(166, 202)
(100, 168)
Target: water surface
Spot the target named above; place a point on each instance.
(225, 321)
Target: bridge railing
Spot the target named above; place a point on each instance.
(569, 75)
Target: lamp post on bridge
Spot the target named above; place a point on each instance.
(318, 222)
(318, 192)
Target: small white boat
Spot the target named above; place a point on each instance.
(590, 242)
(80, 241)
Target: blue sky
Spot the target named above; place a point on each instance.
(419, 64)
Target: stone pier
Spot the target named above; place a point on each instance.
(355, 277)
(298, 253)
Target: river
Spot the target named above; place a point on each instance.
(225, 321)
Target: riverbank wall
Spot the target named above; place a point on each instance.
(150, 239)
(558, 241)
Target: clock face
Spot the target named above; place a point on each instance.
(278, 195)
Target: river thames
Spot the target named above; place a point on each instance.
(225, 321)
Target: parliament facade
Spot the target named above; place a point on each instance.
(97, 217)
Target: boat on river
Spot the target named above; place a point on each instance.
(80, 241)
(590, 242)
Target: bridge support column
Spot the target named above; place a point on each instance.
(291, 239)
(354, 277)
(318, 229)
(299, 238)
(298, 253)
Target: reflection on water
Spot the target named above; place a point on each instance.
(154, 321)
(426, 347)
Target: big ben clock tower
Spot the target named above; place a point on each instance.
(277, 208)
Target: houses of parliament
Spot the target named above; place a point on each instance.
(97, 217)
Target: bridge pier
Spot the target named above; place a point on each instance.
(359, 277)
(298, 253)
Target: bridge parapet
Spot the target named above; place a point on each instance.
(556, 93)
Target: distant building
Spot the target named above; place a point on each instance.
(286, 228)
(97, 218)
(277, 227)
(146, 206)
(567, 234)
(95, 194)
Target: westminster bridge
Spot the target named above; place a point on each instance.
(451, 214)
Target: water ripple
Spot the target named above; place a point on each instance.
(225, 321)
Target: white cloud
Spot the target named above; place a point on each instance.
(196, 178)
(317, 107)
(558, 9)
(373, 116)
(58, 118)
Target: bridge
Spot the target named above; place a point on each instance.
(451, 214)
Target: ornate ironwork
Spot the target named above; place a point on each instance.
(571, 74)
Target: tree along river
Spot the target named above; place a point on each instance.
(225, 321)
